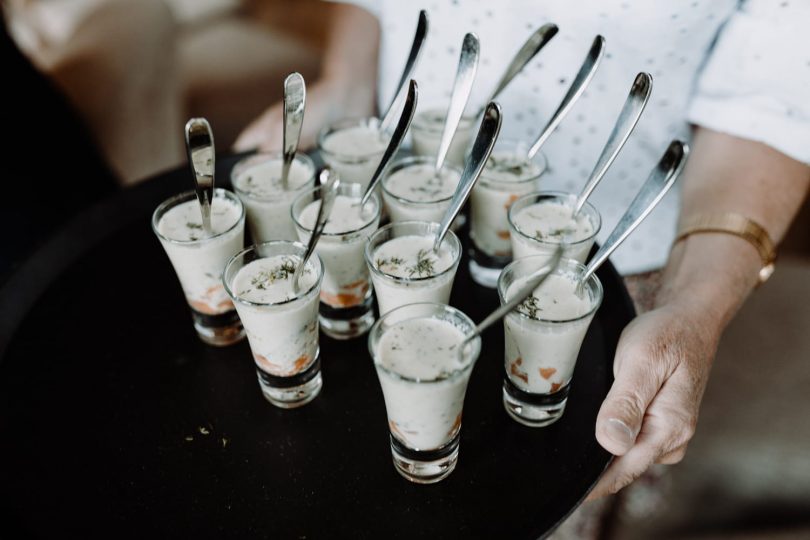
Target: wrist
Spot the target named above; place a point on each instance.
(710, 274)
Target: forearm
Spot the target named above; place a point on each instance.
(713, 273)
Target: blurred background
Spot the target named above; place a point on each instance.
(131, 72)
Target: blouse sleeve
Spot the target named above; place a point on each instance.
(756, 81)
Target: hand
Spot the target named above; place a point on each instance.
(327, 101)
(661, 368)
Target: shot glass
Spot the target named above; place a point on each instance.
(405, 270)
(346, 309)
(543, 337)
(353, 148)
(424, 370)
(199, 261)
(281, 324)
(507, 175)
(540, 221)
(257, 182)
(412, 191)
(426, 134)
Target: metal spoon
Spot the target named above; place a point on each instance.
(465, 75)
(329, 188)
(581, 81)
(655, 187)
(628, 118)
(295, 96)
(396, 139)
(482, 148)
(529, 50)
(534, 281)
(410, 65)
(200, 149)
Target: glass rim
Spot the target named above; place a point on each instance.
(569, 264)
(371, 221)
(185, 196)
(397, 279)
(366, 121)
(421, 123)
(261, 158)
(235, 298)
(469, 363)
(597, 226)
(510, 143)
(408, 161)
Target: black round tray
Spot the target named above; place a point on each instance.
(117, 422)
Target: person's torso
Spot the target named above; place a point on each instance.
(668, 39)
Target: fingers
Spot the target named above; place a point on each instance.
(264, 133)
(638, 380)
(671, 458)
(624, 470)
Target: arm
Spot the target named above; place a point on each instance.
(664, 357)
(346, 87)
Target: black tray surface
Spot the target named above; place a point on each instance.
(117, 422)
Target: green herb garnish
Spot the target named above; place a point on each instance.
(424, 265)
(281, 272)
(530, 306)
(392, 262)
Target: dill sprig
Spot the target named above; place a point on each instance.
(424, 265)
(392, 263)
(267, 277)
(530, 306)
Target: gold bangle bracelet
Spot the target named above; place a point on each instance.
(737, 225)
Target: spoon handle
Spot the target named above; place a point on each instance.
(200, 149)
(655, 187)
(584, 76)
(529, 50)
(295, 95)
(532, 283)
(482, 148)
(396, 139)
(628, 118)
(462, 86)
(329, 188)
(410, 65)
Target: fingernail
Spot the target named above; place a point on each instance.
(620, 432)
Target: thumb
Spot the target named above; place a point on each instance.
(638, 379)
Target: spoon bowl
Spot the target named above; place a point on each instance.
(396, 140)
(201, 157)
(462, 86)
(410, 65)
(581, 81)
(295, 93)
(525, 54)
(657, 185)
(625, 124)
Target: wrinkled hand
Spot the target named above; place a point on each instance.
(661, 368)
